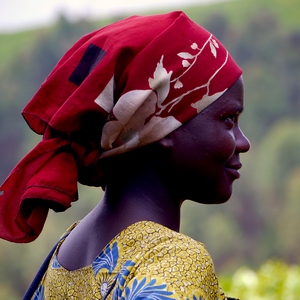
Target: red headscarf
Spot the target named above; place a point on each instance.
(118, 88)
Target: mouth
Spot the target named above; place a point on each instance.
(233, 169)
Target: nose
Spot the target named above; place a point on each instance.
(242, 142)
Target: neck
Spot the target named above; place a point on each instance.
(142, 197)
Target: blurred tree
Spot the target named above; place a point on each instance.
(288, 224)
(278, 163)
(282, 144)
(217, 24)
(291, 50)
(260, 52)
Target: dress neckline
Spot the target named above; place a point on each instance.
(56, 265)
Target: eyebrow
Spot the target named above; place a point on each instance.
(236, 107)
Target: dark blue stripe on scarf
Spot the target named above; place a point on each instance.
(91, 57)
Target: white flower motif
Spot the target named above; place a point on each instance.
(160, 82)
(194, 46)
(178, 84)
(129, 104)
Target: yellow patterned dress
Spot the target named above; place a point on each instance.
(144, 261)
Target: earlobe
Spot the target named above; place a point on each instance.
(166, 142)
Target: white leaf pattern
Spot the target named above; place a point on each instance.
(185, 63)
(185, 55)
(106, 99)
(213, 49)
(206, 101)
(215, 43)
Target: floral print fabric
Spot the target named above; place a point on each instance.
(143, 116)
(145, 261)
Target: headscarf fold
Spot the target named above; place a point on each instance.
(118, 88)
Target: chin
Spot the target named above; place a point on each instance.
(218, 197)
(224, 196)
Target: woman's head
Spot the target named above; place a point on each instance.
(124, 86)
(197, 161)
(205, 152)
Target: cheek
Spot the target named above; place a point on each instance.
(224, 146)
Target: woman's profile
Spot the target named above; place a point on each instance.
(146, 108)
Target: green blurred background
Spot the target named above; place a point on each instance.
(254, 239)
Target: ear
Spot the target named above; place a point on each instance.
(166, 142)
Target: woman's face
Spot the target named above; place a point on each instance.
(205, 157)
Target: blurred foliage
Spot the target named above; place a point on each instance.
(261, 220)
(273, 280)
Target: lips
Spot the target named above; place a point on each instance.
(233, 169)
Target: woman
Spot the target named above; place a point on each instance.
(148, 109)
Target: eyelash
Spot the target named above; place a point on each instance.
(232, 119)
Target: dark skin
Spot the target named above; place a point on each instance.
(198, 161)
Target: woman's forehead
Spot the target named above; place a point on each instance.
(232, 99)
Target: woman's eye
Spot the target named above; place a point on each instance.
(231, 120)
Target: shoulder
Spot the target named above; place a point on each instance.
(147, 236)
(172, 261)
(152, 236)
